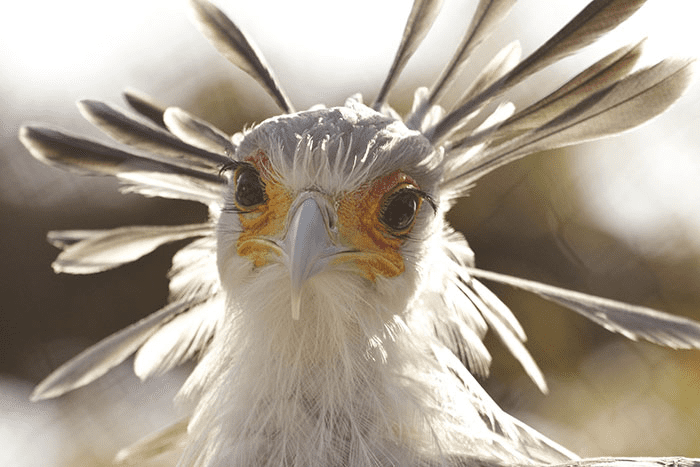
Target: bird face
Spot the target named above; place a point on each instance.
(343, 192)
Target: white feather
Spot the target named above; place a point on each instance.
(105, 355)
(91, 251)
(420, 20)
(197, 132)
(179, 340)
(233, 44)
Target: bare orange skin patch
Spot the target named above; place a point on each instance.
(267, 219)
(375, 250)
(359, 226)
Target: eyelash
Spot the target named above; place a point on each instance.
(426, 197)
(231, 166)
(225, 169)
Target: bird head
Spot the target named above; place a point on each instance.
(328, 213)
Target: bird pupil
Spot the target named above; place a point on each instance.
(400, 210)
(249, 189)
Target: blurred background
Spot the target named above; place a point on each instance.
(619, 218)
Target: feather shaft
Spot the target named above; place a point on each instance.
(145, 105)
(487, 16)
(155, 141)
(233, 44)
(621, 106)
(97, 360)
(420, 20)
(88, 252)
(597, 18)
(606, 71)
(633, 322)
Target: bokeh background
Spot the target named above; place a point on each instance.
(619, 218)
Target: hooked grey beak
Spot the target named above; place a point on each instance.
(309, 247)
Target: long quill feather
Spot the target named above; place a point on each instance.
(97, 360)
(233, 44)
(617, 108)
(154, 141)
(633, 322)
(147, 176)
(91, 251)
(599, 17)
(420, 20)
(486, 17)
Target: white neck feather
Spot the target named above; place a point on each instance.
(328, 389)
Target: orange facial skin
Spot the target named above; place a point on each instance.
(267, 219)
(375, 250)
(359, 225)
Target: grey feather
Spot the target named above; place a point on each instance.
(154, 141)
(599, 75)
(64, 238)
(173, 185)
(91, 251)
(499, 309)
(233, 44)
(420, 20)
(596, 77)
(460, 326)
(486, 17)
(179, 340)
(521, 441)
(194, 272)
(197, 132)
(503, 62)
(619, 107)
(599, 17)
(623, 105)
(510, 339)
(145, 105)
(468, 347)
(105, 355)
(151, 177)
(633, 322)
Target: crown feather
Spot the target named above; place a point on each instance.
(126, 129)
(599, 17)
(618, 107)
(145, 105)
(233, 44)
(420, 20)
(197, 132)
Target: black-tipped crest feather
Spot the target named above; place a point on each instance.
(233, 44)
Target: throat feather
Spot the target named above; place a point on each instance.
(301, 392)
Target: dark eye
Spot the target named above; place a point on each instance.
(250, 190)
(400, 209)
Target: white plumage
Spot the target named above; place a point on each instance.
(335, 316)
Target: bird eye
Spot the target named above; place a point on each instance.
(250, 190)
(400, 210)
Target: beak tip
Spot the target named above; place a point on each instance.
(304, 244)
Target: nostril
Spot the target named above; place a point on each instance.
(332, 220)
